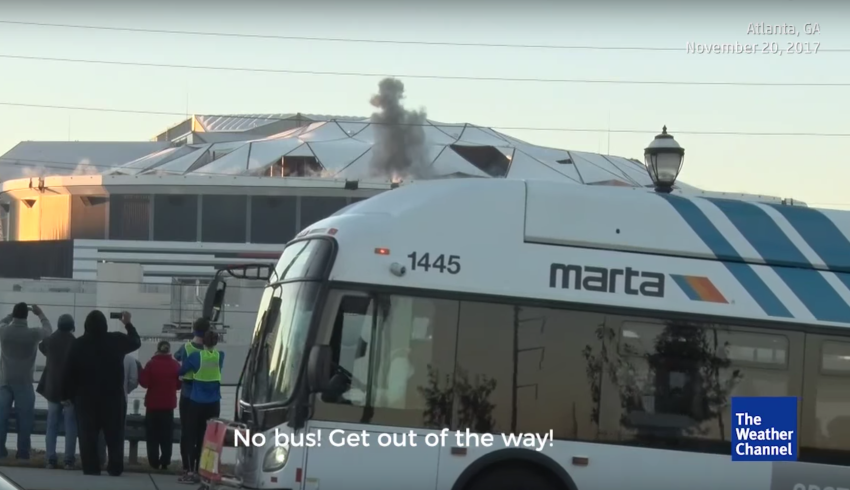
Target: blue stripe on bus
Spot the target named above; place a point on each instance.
(822, 235)
(730, 257)
(821, 299)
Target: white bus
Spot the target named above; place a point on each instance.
(620, 321)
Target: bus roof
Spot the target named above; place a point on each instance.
(604, 245)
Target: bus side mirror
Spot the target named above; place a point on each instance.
(214, 299)
(319, 368)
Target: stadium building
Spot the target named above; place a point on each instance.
(215, 189)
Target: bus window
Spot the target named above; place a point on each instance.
(835, 358)
(413, 361)
(303, 260)
(399, 352)
(755, 363)
(528, 369)
(676, 380)
(825, 412)
(669, 390)
(350, 341)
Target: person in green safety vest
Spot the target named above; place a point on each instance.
(204, 399)
(199, 329)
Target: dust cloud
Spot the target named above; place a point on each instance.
(399, 151)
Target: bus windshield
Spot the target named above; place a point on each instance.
(283, 322)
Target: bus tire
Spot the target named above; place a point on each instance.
(516, 476)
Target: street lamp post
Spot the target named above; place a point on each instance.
(664, 159)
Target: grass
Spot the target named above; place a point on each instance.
(38, 459)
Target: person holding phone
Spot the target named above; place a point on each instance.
(18, 351)
(94, 380)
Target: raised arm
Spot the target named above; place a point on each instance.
(129, 342)
(46, 328)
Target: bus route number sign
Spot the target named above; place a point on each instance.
(441, 263)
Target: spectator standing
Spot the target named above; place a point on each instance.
(131, 382)
(94, 380)
(18, 351)
(161, 378)
(205, 398)
(199, 329)
(59, 411)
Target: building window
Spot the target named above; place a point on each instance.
(88, 217)
(175, 218)
(315, 209)
(488, 159)
(272, 219)
(223, 218)
(129, 217)
(300, 167)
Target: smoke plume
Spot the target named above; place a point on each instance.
(85, 167)
(32, 171)
(319, 174)
(399, 150)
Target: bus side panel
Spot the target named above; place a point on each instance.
(627, 467)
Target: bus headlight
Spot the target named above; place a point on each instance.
(275, 458)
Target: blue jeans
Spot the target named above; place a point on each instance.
(23, 397)
(58, 415)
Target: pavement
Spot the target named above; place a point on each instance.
(44, 479)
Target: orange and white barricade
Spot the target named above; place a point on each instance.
(209, 467)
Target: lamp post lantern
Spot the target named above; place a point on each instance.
(664, 159)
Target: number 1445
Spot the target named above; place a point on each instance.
(440, 263)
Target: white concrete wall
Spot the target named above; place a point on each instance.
(119, 288)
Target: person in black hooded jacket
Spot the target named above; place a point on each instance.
(55, 349)
(94, 381)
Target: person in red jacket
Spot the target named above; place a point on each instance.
(161, 378)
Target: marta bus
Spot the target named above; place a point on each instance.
(617, 321)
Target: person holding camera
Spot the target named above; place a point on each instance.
(94, 380)
(18, 351)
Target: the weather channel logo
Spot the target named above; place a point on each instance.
(764, 428)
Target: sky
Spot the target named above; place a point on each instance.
(808, 168)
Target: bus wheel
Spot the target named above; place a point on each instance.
(515, 477)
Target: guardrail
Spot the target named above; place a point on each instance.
(134, 430)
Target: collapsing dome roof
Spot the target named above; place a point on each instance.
(347, 148)
(393, 144)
